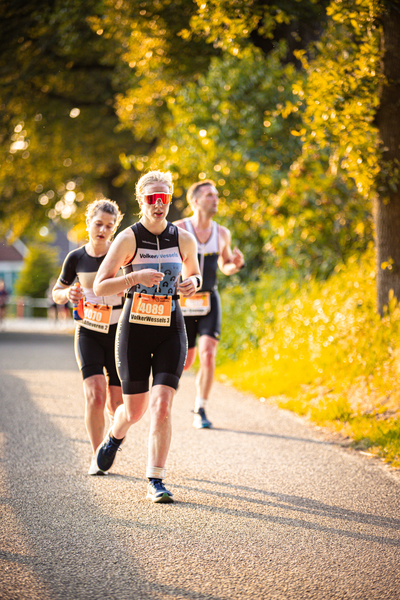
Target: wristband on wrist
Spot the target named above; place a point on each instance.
(129, 285)
(198, 282)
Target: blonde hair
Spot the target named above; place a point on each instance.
(194, 190)
(164, 177)
(107, 206)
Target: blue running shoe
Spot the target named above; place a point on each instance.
(157, 492)
(200, 420)
(106, 452)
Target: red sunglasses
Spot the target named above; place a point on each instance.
(152, 198)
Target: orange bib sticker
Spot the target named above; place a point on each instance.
(197, 305)
(151, 310)
(97, 317)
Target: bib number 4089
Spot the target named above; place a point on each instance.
(151, 310)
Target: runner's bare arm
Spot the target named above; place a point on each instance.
(190, 269)
(120, 253)
(229, 261)
(64, 293)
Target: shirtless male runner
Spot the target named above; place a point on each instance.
(203, 312)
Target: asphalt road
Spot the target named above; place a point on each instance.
(266, 507)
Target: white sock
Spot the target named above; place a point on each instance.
(199, 403)
(156, 472)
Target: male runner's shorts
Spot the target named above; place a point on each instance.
(141, 350)
(210, 324)
(95, 351)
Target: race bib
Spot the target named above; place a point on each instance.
(151, 310)
(97, 317)
(197, 305)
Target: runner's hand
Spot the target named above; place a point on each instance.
(74, 294)
(237, 257)
(148, 277)
(188, 286)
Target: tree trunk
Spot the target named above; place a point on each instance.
(387, 207)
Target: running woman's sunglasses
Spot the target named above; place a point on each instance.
(152, 198)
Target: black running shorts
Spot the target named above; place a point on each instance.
(210, 324)
(141, 350)
(95, 352)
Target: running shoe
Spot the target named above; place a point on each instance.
(200, 420)
(157, 492)
(105, 453)
(94, 469)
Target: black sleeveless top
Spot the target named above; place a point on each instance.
(208, 256)
(159, 252)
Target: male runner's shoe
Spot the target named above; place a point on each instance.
(157, 492)
(94, 469)
(200, 420)
(105, 453)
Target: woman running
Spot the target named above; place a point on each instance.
(96, 328)
(151, 336)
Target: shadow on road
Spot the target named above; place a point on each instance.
(68, 536)
(301, 505)
(273, 435)
(67, 545)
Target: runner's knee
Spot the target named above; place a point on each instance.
(134, 414)
(207, 356)
(160, 408)
(95, 393)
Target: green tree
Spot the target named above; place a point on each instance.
(233, 25)
(40, 265)
(224, 127)
(93, 94)
(351, 95)
(319, 219)
(57, 122)
(329, 189)
(350, 88)
(250, 122)
(70, 75)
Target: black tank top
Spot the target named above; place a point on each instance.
(159, 252)
(208, 256)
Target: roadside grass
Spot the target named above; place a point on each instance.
(320, 350)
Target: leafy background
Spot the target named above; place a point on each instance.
(277, 104)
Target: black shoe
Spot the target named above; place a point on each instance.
(200, 420)
(157, 492)
(106, 453)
